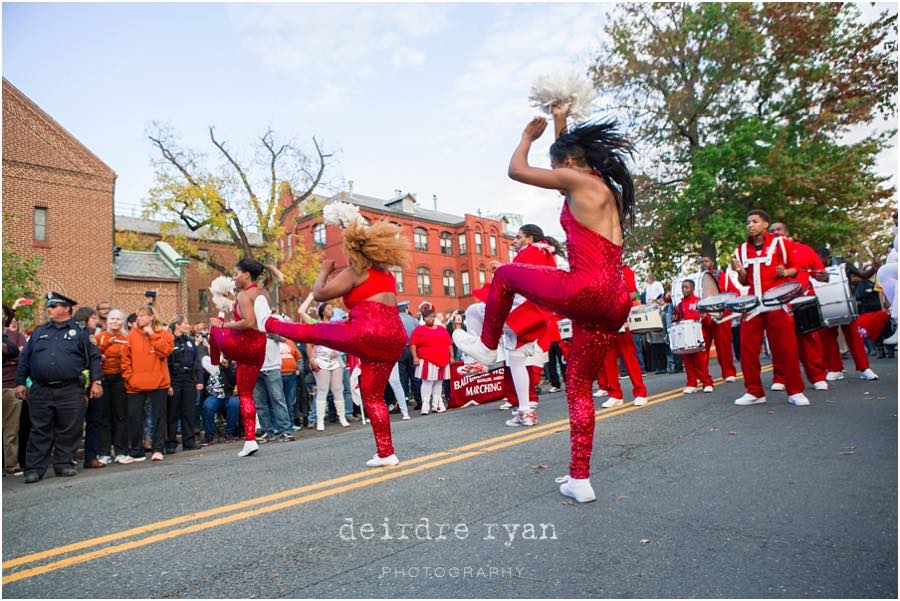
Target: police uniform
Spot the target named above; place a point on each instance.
(54, 358)
(186, 371)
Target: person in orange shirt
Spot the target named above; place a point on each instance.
(112, 342)
(145, 370)
(290, 372)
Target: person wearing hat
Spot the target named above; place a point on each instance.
(407, 371)
(55, 358)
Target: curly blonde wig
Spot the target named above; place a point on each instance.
(379, 243)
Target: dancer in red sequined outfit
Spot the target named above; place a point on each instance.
(373, 332)
(589, 169)
(240, 341)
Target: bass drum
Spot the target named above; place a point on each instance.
(838, 306)
(705, 285)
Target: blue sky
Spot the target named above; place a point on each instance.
(427, 98)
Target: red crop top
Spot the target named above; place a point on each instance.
(379, 281)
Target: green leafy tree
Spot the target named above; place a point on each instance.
(741, 105)
(21, 280)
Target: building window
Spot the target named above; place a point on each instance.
(420, 236)
(203, 254)
(40, 224)
(478, 247)
(446, 243)
(493, 241)
(461, 241)
(466, 286)
(482, 276)
(449, 283)
(319, 234)
(423, 278)
(398, 275)
(203, 306)
(290, 245)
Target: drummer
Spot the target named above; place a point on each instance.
(720, 333)
(805, 265)
(760, 263)
(833, 361)
(696, 365)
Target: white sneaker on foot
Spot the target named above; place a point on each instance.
(157, 456)
(798, 399)
(640, 401)
(730, 379)
(611, 402)
(553, 389)
(377, 461)
(124, 459)
(892, 339)
(506, 405)
(405, 417)
(820, 385)
(522, 418)
(707, 389)
(250, 448)
(777, 386)
(474, 347)
(834, 375)
(689, 390)
(600, 393)
(580, 490)
(868, 374)
(749, 399)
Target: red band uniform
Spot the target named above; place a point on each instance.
(720, 333)
(696, 365)
(623, 346)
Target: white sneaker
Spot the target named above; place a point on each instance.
(834, 375)
(532, 404)
(405, 417)
(749, 399)
(798, 399)
(250, 448)
(522, 418)
(580, 490)
(707, 389)
(730, 379)
(611, 402)
(553, 389)
(506, 405)
(820, 385)
(377, 461)
(689, 390)
(868, 374)
(640, 401)
(777, 386)
(157, 456)
(124, 459)
(892, 339)
(474, 347)
(440, 408)
(600, 393)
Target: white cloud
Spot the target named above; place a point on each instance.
(404, 56)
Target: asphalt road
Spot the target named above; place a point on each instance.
(696, 498)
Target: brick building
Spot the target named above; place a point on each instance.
(198, 276)
(450, 255)
(159, 270)
(58, 200)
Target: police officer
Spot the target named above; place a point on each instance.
(187, 378)
(54, 358)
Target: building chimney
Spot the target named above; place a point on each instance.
(434, 201)
(397, 193)
(350, 186)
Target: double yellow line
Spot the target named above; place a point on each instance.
(288, 498)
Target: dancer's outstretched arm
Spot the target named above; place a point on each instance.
(552, 179)
(326, 290)
(560, 114)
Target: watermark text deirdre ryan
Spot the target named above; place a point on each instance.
(425, 529)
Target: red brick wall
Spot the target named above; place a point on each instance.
(128, 295)
(44, 165)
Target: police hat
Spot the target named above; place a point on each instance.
(403, 305)
(55, 298)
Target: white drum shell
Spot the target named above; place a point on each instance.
(565, 328)
(645, 319)
(686, 337)
(838, 306)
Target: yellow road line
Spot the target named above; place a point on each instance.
(440, 458)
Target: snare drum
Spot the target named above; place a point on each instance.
(781, 294)
(565, 328)
(716, 303)
(838, 307)
(686, 337)
(743, 304)
(807, 314)
(645, 318)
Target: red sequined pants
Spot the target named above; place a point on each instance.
(597, 304)
(374, 334)
(247, 348)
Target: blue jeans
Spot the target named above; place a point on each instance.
(212, 405)
(639, 350)
(348, 397)
(271, 406)
(289, 383)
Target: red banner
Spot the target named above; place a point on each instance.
(480, 388)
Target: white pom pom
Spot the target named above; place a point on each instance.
(559, 88)
(341, 213)
(221, 288)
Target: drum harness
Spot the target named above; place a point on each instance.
(757, 274)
